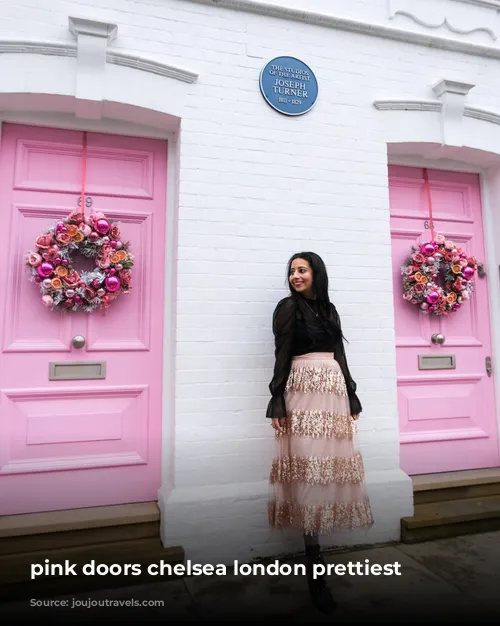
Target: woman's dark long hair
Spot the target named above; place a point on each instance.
(328, 313)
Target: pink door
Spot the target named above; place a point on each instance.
(447, 416)
(80, 442)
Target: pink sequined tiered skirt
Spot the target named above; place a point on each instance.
(317, 476)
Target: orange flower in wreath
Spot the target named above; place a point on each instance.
(456, 269)
(61, 270)
(56, 283)
(451, 298)
(78, 236)
(71, 229)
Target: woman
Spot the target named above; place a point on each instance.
(317, 475)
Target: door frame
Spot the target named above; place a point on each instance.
(485, 185)
(121, 128)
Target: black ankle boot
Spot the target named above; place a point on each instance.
(320, 594)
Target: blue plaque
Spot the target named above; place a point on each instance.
(289, 86)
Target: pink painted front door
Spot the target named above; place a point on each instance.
(82, 442)
(447, 417)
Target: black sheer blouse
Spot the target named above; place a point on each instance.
(298, 330)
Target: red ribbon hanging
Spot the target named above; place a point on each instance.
(431, 218)
(428, 191)
(84, 180)
(84, 169)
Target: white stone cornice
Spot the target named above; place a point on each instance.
(114, 57)
(79, 26)
(455, 87)
(262, 7)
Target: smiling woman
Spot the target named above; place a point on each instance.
(300, 276)
(317, 475)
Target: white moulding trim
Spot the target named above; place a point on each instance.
(482, 114)
(489, 4)
(354, 26)
(149, 65)
(450, 27)
(408, 105)
(17, 46)
(435, 106)
(409, 9)
(114, 57)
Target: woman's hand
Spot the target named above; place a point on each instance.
(278, 424)
(355, 417)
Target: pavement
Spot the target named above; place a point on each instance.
(450, 579)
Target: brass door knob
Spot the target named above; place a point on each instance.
(78, 341)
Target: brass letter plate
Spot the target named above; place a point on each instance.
(77, 370)
(436, 362)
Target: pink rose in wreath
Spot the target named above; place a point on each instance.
(76, 218)
(89, 293)
(114, 233)
(51, 254)
(64, 238)
(34, 259)
(72, 278)
(125, 278)
(44, 242)
(104, 263)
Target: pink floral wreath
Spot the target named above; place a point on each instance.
(51, 264)
(423, 268)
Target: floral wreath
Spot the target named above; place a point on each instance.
(51, 263)
(423, 268)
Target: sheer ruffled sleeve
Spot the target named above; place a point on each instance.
(283, 329)
(341, 358)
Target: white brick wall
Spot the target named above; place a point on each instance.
(255, 187)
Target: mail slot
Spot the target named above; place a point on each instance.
(77, 370)
(436, 362)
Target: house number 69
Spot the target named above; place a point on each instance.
(88, 201)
